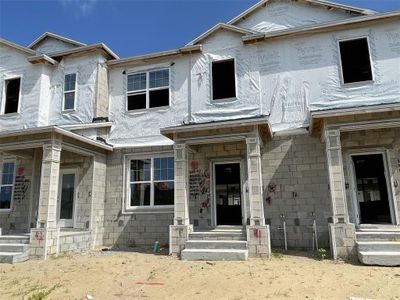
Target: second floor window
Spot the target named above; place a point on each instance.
(69, 92)
(12, 91)
(356, 61)
(148, 89)
(223, 79)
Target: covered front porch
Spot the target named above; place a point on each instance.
(53, 189)
(363, 154)
(218, 182)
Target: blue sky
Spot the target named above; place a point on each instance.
(129, 27)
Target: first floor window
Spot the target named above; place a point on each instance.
(148, 89)
(69, 91)
(12, 91)
(151, 181)
(7, 184)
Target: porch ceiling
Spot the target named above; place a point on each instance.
(210, 130)
(354, 116)
(35, 137)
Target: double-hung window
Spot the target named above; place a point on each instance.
(7, 184)
(148, 89)
(151, 182)
(69, 91)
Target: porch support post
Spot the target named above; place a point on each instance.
(342, 233)
(258, 235)
(44, 237)
(181, 228)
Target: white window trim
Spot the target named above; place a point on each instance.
(147, 90)
(358, 83)
(222, 100)
(3, 96)
(127, 208)
(6, 210)
(74, 90)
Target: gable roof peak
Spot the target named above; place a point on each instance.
(57, 37)
(327, 4)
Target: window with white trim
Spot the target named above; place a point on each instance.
(148, 89)
(355, 60)
(11, 95)
(151, 182)
(69, 91)
(7, 184)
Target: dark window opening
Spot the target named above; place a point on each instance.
(223, 79)
(12, 95)
(356, 63)
(137, 101)
(159, 98)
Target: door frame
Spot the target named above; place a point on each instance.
(388, 178)
(223, 161)
(65, 223)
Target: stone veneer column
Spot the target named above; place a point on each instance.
(178, 233)
(44, 237)
(342, 233)
(258, 235)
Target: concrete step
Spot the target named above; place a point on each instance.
(8, 247)
(379, 258)
(13, 257)
(363, 236)
(216, 244)
(214, 254)
(378, 227)
(378, 246)
(14, 239)
(217, 235)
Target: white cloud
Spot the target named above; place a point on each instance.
(84, 6)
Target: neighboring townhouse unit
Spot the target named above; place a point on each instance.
(279, 128)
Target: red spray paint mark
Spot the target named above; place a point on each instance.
(257, 233)
(194, 164)
(39, 236)
(20, 171)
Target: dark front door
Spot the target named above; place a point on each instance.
(371, 189)
(228, 194)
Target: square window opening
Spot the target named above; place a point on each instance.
(151, 182)
(355, 60)
(223, 79)
(12, 91)
(148, 89)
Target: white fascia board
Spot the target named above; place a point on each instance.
(320, 27)
(86, 126)
(327, 4)
(57, 37)
(18, 47)
(42, 58)
(155, 55)
(99, 46)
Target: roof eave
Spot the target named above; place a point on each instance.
(55, 36)
(156, 55)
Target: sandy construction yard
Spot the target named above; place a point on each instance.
(133, 275)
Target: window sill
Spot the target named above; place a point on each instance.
(144, 110)
(68, 111)
(224, 100)
(5, 210)
(148, 210)
(358, 84)
(10, 115)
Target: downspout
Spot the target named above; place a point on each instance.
(189, 118)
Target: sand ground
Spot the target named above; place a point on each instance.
(133, 275)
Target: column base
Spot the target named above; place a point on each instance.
(342, 238)
(43, 242)
(258, 241)
(178, 235)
